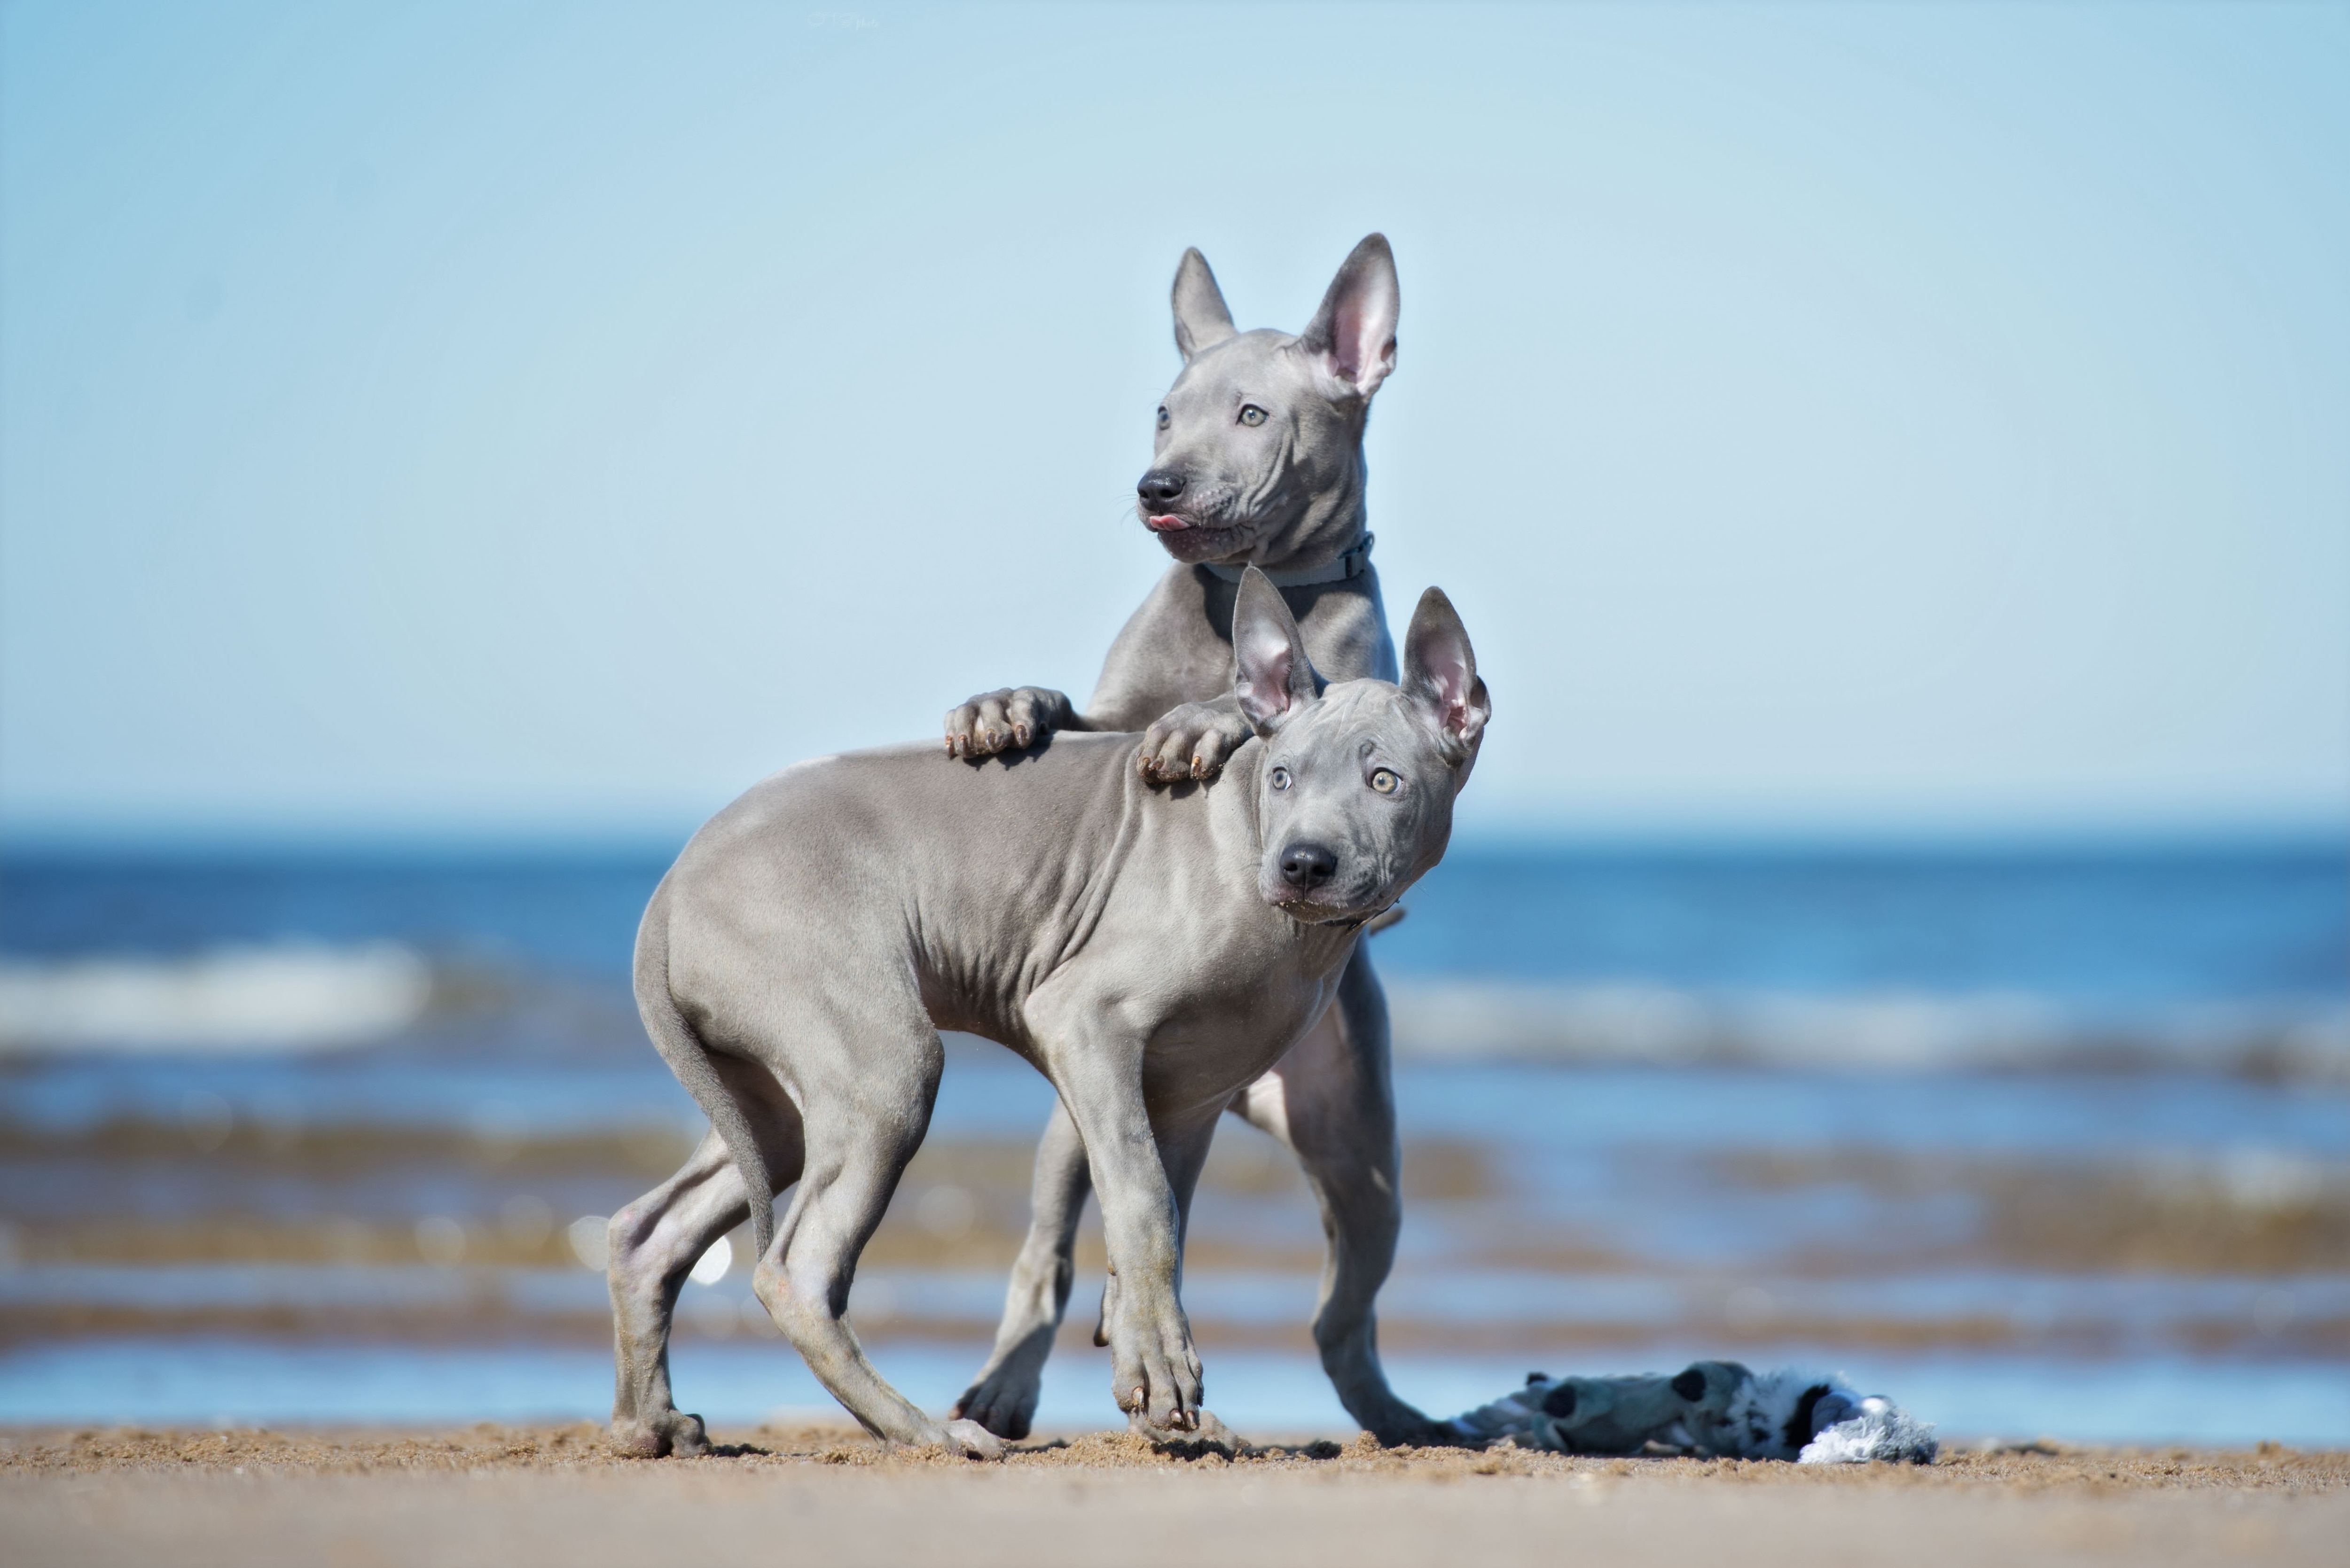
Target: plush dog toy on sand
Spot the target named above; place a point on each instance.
(1717, 1409)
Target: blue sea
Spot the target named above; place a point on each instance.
(2038, 1141)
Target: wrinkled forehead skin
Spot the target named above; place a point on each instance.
(1308, 430)
(1331, 750)
(1355, 720)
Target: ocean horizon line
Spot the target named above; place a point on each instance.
(496, 844)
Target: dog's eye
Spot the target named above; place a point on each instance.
(1251, 414)
(1281, 778)
(1163, 419)
(1384, 782)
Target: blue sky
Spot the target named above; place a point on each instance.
(548, 418)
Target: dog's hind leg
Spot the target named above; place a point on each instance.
(654, 1242)
(866, 1110)
(1331, 1101)
(1003, 1397)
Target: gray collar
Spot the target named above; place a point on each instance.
(1353, 563)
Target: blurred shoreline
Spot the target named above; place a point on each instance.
(281, 1136)
(309, 997)
(2198, 956)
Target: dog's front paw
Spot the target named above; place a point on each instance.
(1003, 1397)
(1154, 1368)
(670, 1432)
(1004, 720)
(1190, 743)
(972, 1441)
(1206, 1435)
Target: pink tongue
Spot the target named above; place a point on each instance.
(1167, 525)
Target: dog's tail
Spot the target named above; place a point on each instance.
(690, 1059)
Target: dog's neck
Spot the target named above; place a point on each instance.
(1352, 562)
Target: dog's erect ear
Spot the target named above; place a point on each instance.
(1439, 669)
(1354, 333)
(1274, 679)
(1200, 319)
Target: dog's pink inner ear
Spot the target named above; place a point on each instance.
(1362, 342)
(1441, 669)
(1352, 350)
(1354, 332)
(1263, 687)
(1455, 715)
(1270, 673)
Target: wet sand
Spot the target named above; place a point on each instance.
(505, 1496)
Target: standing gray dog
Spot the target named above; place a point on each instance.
(1151, 951)
(1259, 461)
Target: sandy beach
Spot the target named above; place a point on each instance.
(495, 1495)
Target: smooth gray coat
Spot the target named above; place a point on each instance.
(1257, 459)
(1150, 951)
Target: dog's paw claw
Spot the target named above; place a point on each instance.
(1190, 743)
(1155, 1366)
(1011, 719)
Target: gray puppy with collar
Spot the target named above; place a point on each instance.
(1258, 461)
(1150, 951)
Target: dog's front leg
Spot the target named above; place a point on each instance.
(1192, 740)
(1154, 1369)
(1010, 720)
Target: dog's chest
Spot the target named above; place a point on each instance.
(1178, 648)
(1226, 1023)
(1188, 662)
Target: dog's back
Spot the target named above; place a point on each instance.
(976, 881)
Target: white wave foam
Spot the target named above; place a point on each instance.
(1636, 1023)
(289, 998)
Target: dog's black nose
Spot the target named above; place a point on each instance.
(1160, 486)
(1307, 865)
